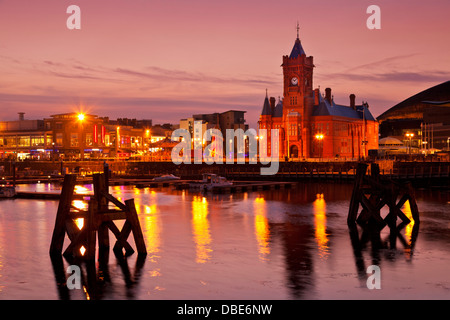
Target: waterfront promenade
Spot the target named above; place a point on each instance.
(423, 173)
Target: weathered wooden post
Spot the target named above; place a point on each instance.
(373, 193)
(98, 220)
(356, 194)
(65, 202)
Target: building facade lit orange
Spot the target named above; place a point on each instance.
(311, 124)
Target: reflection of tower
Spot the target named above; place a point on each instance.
(299, 262)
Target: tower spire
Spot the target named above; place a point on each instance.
(298, 30)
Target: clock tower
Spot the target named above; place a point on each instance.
(298, 100)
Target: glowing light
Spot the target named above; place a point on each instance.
(406, 209)
(262, 231)
(319, 136)
(152, 232)
(80, 116)
(320, 223)
(200, 226)
(81, 190)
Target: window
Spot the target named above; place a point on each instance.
(59, 139)
(10, 141)
(49, 140)
(89, 140)
(24, 141)
(37, 141)
(74, 139)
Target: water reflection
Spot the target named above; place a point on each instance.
(282, 244)
(96, 280)
(320, 223)
(200, 229)
(262, 228)
(152, 233)
(409, 228)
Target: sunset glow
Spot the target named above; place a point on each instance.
(140, 58)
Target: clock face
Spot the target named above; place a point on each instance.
(294, 81)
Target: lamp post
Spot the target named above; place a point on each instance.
(320, 137)
(81, 118)
(410, 136)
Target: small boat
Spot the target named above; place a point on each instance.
(209, 181)
(166, 177)
(7, 191)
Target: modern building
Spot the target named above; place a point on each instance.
(313, 125)
(73, 136)
(228, 120)
(422, 120)
(22, 138)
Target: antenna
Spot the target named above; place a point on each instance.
(298, 30)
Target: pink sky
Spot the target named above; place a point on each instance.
(165, 60)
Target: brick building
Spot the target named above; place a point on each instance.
(312, 124)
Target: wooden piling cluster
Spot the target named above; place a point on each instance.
(373, 192)
(98, 221)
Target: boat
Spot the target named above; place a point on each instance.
(209, 181)
(166, 177)
(7, 191)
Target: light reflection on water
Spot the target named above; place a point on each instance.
(283, 244)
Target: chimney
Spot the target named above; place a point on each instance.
(272, 103)
(328, 94)
(316, 97)
(352, 101)
(21, 116)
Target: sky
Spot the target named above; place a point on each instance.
(168, 59)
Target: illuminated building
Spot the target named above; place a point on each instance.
(304, 113)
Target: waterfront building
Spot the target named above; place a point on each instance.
(72, 136)
(228, 120)
(22, 138)
(422, 120)
(311, 124)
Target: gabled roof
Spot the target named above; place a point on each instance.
(267, 111)
(324, 108)
(278, 110)
(297, 50)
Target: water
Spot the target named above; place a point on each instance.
(284, 244)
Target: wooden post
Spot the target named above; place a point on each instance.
(62, 214)
(135, 226)
(100, 189)
(356, 193)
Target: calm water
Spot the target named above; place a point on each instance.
(288, 244)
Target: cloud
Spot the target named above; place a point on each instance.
(394, 76)
(383, 62)
(161, 74)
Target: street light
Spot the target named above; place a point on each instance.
(320, 137)
(410, 136)
(80, 116)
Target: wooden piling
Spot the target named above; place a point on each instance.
(373, 193)
(98, 220)
(62, 214)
